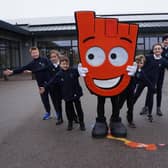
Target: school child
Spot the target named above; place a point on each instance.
(42, 68)
(54, 57)
(71, 91)
(55, 90)
(128, 93)
(153, 66)
(160, 80)
(161, 76)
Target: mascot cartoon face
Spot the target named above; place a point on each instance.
(106, 48)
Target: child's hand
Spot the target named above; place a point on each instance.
(132, 69)
(27, 72)
(8, 72)
(82, 70)
(41, 90)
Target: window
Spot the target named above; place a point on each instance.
(153, 40)
(9, 54)
(65, 47)
(62, 43)
(140, 46)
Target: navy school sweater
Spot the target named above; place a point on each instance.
(69, 83)
(41, 67)
(153, 68)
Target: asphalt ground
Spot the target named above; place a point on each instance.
(26, 141)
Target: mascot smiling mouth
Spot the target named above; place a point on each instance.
(107, 83)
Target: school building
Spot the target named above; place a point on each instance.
(17, 36)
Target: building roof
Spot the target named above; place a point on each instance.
(13, 28)
(39, 28)
(43, 21)
(71, 19)
(147, 23)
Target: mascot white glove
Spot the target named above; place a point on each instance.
(82, 70)
(132, 69)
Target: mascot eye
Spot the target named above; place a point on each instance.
(118, 56)
(95, 56)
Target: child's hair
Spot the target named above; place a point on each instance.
(139, 58)
(33, 48)
(55, 52)
(164, 37)
(157, 44)
(64, 58)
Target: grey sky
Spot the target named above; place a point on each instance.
(12, 9)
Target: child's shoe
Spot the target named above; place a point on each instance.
(159, 112)
(82, 126)
(46, 116)
(150, 118)
(131, 125)
(70, 126)
(144, 111)
(76, 120)
(58, 122)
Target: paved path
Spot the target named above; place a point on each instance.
(26, 141)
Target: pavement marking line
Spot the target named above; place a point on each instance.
(133, 144)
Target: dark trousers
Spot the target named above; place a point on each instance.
(159, 88)
(158, 95)
(100, 108)
(55, 94)
(149, 96)
(56, 100)
(127, 95)
(70, 107)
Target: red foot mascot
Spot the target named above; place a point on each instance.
(107, 49)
